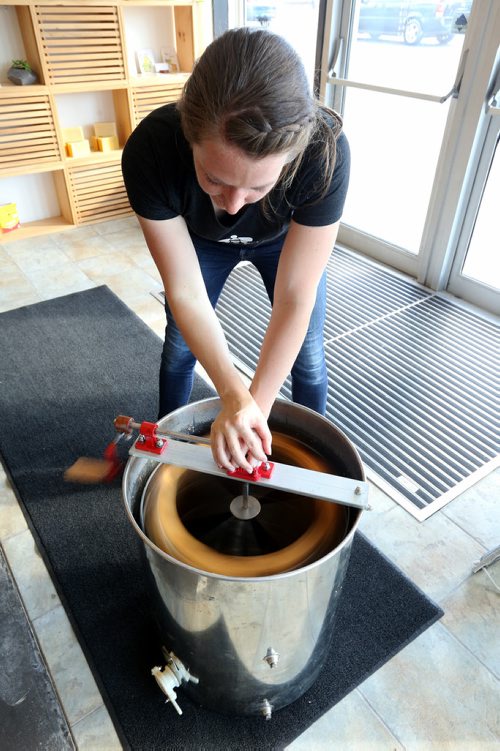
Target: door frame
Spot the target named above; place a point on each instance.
(459, 285)
(463, 145)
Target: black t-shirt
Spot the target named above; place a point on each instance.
(161, 183)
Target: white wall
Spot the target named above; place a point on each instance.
(11, 42)
(85, 109)
(34, 195)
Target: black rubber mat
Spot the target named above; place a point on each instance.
(413, 376)
(68, 367)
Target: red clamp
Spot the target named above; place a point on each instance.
(116, 466)
(148, 440)
(264, 470)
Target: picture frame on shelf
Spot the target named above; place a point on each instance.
(145, 61)
(161, 67)
(169, 56)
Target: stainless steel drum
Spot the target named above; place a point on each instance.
(245, 606)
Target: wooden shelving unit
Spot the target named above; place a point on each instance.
(83, 49)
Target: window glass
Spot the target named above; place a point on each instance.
(295, 20)
(407, 44)
(395, 143)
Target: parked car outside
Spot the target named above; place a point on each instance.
(412, 20)
(261, 12)
(462, 17)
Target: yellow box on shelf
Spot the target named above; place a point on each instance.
(107, 143)
(78, 148)
(74, 133)
(105, 137)
(104, 129)
(9, 218)
(74, 142)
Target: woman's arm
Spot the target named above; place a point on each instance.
(302, 262)
(240, 426)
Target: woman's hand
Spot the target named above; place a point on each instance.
(240, 436)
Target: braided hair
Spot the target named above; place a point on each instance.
(250, 89)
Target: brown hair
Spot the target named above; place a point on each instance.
(250, 88)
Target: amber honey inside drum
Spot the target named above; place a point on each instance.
(187, 515)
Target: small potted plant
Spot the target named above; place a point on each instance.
(21, 73)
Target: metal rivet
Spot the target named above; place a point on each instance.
(266, 709)
(271, 657)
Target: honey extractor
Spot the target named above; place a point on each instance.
(245, 602)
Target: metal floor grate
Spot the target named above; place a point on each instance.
(413, 376)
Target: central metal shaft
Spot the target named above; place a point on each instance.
(245, 506)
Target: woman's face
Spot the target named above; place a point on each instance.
(232, 178)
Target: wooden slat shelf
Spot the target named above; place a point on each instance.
(89, 86)
(79, 47)
(158, 79)
(33, 169)
(20, 146)
(8, 89)
(148, 98)
(98, 192)
(96, 158)
(67, 31)
(35, 229)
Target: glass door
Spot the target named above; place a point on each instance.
(415, 83)
(394, 69)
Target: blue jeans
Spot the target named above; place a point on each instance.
(217, 260)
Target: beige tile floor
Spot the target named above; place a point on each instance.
(441, 692)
